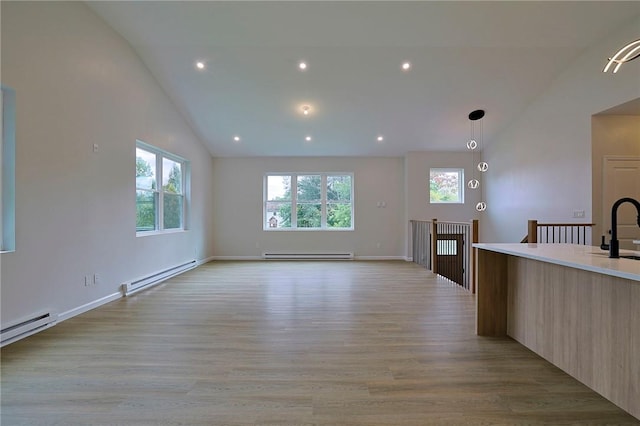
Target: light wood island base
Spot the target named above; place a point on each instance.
(585, 322)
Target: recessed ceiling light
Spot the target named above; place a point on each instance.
(200, 65)
(406, 66)
(308, 139)
(236, 138)
(306, 109)
(302, 65)
(380, 138)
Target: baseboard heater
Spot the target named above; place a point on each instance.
(27, 327)
(307, 256)
(140, 284)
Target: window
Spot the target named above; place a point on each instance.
(308, 201)
(7, 169)
(446, 186)
(159, 208)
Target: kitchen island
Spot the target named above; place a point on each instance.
(570, 304)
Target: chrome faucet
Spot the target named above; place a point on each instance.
(614, 245)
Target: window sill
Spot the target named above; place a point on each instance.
(307, 229)
(150, 233)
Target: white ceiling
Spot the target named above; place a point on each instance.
(496, 56)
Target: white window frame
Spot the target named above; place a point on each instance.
(461, 184)
(159, 193)
(7, 169)
(294, 193)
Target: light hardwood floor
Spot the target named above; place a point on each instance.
(289, 343)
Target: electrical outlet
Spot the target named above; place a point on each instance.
(378, 245)
(578, 213)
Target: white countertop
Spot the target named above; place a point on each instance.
(588, 258)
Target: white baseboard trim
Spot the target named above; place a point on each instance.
(379, 258)
(206, 260)
(213, 258)
(236, 258)
(88, 306)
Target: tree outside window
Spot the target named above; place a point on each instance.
(339, 211)
(172, 194)
(163, 208)
(446, 186)
(145, 190)
(308, 201)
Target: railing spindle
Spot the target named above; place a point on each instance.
(574, 233)
(446, 248)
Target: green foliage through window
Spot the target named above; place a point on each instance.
(317, 201)
(445, 185)
(158, 209)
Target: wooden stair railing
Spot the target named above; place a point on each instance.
(569, 233)
(446, 248)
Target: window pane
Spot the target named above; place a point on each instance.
(339, 215)
(338, 188)
(171, 176)
(145, 169)
(172, 205)
(445, 186)
(309, 188)
(7, 169)
(278, 188)
(278, 215)
(145, 210)
(2, 167)
(309, 215)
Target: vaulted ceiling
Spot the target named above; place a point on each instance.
(496, 56)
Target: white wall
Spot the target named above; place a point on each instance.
(417, 166)
(417, 206)
(77, 84)
(540, 167)
(238, 184)
(402, 183)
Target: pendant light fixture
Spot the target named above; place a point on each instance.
(475, 146)
(628, 53)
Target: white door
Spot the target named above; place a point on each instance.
(621, 178)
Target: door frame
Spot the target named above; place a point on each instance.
(606, 210)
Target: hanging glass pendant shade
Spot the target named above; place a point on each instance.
(481, 206)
